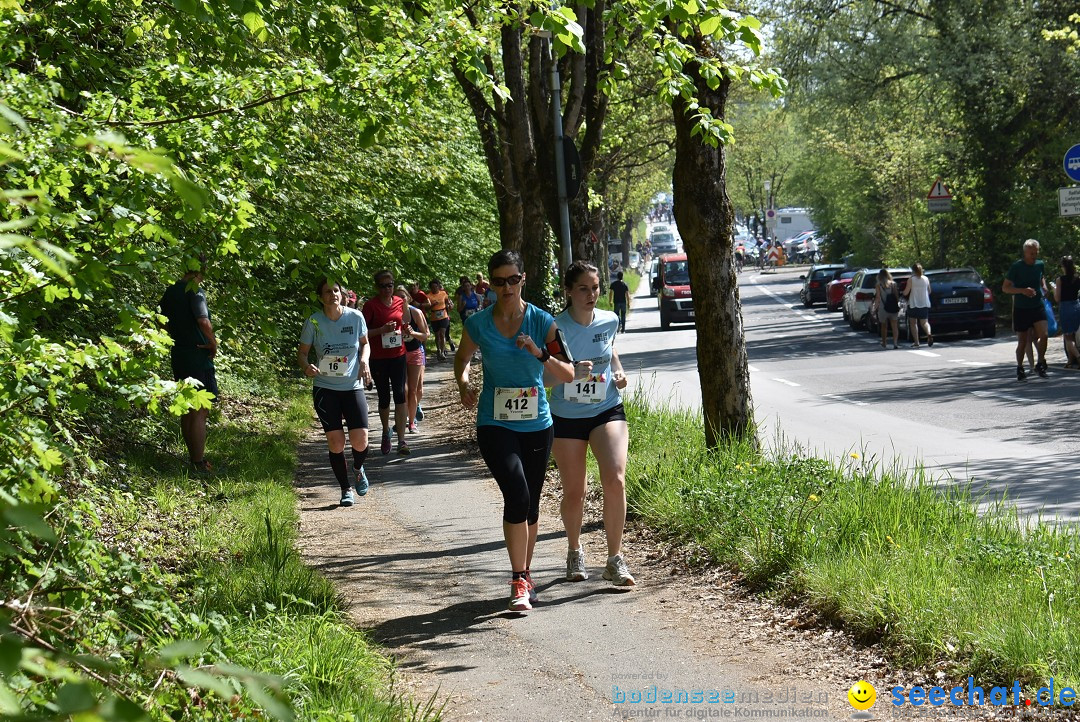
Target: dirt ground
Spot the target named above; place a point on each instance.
(421, 563)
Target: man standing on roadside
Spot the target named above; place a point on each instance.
(192, 355)
(1026, 283)
(619, 293)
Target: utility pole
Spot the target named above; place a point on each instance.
(560, 159)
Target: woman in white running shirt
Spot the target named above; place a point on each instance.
(588, 413)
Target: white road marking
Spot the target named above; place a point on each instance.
(752, 369)
(920, 352)
(843, 400)
(796, 307)
(789, 383)
(1005, 397)
(970, 363)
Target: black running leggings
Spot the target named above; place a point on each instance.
(389, 373)
(518, 461)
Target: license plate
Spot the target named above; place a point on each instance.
(690, 314)
(954, 300)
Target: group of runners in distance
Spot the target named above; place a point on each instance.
(523, 350)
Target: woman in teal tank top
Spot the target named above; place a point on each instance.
(518, 342)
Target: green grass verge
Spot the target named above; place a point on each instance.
(225, 549)
(886, 553)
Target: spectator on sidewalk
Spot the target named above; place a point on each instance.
(385, 316)
(519, 341)
(415, 332)
(1026, 282)
(918, 310)
(619, 293)
(886, 306)
(588, 413)
(338, 335)
(1067, 293)
(192, 356)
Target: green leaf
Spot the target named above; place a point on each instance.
(194, 196)
(180, 649)
(205, 680)
(118, 709)
(710, 25)
(10, 654)
(256, 26)
(11, 116)
(9, 703)
(191, 7)
(26, 516)
(75, 697)
(268, 702)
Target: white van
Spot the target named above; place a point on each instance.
(791, 222)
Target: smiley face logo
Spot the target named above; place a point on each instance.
(862, 695)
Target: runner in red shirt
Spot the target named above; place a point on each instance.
(481, 285)
(384, 315)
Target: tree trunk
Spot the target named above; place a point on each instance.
(705, 217)
(519, 144)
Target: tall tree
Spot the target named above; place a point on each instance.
(700, 57)
(507, 83)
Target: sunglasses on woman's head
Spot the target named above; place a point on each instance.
(511, 280)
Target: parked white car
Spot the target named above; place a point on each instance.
(654, 268)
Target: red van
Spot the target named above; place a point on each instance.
(672, 284)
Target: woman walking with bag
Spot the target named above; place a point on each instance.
(887, 305)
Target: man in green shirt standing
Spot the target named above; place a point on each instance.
(192, 356)
(1026, 282)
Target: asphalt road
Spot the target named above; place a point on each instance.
(956, 408)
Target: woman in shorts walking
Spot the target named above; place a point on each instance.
(918, 310)
(887, 305)
(1067, 293)
(588, 413)
(519, 342)
(338, 336)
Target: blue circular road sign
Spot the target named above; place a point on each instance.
(1072, 163)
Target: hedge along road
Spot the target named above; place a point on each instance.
(421, 562)
(956, 408)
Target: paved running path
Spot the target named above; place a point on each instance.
(421, 560)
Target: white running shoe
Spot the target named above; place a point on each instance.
(575, 565)
(618, 573)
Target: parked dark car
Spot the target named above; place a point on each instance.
(959, 301)
(814, 282)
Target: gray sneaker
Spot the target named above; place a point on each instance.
(618, 573)
(347, 497)
(575, 565)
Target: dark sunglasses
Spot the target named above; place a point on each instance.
(386, 285)
(511, 280)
